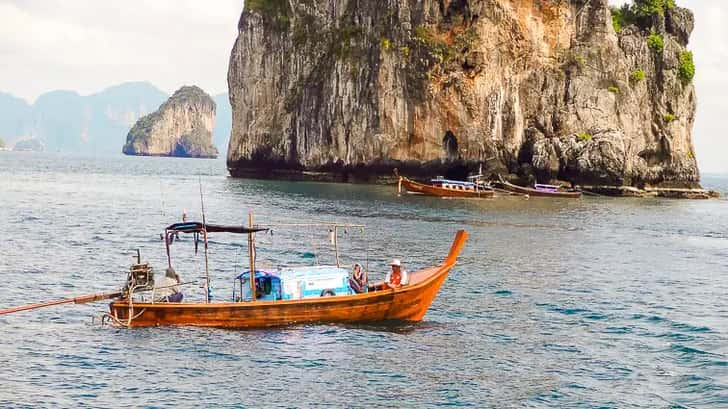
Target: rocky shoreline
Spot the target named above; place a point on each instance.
(363, 176)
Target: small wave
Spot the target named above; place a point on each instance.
(570, 311)
(684, 349)
(691, 328)
(503, 293)
(617, 330)
(650, 318)
(596, 316)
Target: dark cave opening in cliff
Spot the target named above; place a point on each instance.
(450, 146)
(180, 151)
(455, 169)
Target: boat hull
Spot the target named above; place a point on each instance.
(537, 193)
(429, 190)
(408, 303)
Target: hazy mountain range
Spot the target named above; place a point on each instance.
(65, 121)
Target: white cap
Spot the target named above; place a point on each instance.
(396, 262)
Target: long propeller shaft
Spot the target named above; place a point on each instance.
(81, 299)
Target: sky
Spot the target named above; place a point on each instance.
(88, 45)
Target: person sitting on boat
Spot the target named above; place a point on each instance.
(359, 281)
(167, 289)
(397, 277)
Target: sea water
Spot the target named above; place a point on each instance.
(597, 302)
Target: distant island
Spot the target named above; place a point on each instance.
(181, 127)
(29, 145)
(66, 122)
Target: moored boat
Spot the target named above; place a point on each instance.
(381, 303)
(441, 187)
(539, 190)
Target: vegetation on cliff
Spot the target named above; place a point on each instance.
(687, 67)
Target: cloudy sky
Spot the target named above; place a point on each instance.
(88, 45)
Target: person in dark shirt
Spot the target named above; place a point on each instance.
(359, 281)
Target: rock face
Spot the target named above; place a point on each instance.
(182, 127)
(543, 88)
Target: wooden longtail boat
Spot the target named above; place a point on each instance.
(406, 303)
(446, 188)
(131, 308)
(547, 191)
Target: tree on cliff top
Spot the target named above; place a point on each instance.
(644, 8)
(639, 12)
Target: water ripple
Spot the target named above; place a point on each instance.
(588, 303)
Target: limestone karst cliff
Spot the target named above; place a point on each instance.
(553, 89)
(182, 127)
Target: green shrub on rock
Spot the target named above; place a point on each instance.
(669, 117)
(583, 137)
(613, 89)
(267, 7)
(655, 42)
(619, 17)
(276, 10)
(639, 13)
(645, 8)
(686, 71)
(638, 75)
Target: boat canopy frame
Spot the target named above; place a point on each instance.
(197, 227)
(203, 228)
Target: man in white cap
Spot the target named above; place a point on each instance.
(397, 277)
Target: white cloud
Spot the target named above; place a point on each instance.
(87, 45)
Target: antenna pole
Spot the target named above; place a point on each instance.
(204, 236)
(251, 257)
(336, 245)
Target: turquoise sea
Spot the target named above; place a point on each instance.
(598, 302)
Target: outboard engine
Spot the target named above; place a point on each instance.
(140, 277)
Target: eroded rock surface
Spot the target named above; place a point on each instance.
(181, 127)
(535, 87)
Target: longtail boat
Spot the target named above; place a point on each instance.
(539, 190)
(267, 299)
(381, 303)
(441, 187)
